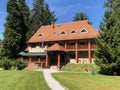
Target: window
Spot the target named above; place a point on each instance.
(42, 45)
(41, 34)
(83, 30)
(73, 32)
(33, 45)
(63, 32)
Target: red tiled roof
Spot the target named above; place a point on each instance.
(51, 33)
(55, 47)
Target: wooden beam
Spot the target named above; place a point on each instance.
(58, 63)
(46, 62)
(89, 52)
(65, 46)
(76, 52)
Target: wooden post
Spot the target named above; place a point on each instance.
(89, 52)
(58, 63)
(46, 62)
(65, 46)
(30, 59)
(39, 59)
(65, 53)
(76, 52)
(41, 65)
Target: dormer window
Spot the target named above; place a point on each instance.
(41, 34)
(83, 30)
(63, 32)
(54, 33)
(73, 32)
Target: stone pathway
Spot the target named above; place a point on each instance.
(52, 83)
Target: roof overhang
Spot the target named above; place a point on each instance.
(55, 47)
(34, 54)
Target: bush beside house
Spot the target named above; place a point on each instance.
(20, 64)
(7, 64)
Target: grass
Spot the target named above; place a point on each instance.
(85, 81)
(80, 67)
(22, 80)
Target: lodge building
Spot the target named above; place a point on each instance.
(54, 45)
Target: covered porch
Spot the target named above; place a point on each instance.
(36, 60)
(57, 56)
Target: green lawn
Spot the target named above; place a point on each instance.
(85, 81)
(22, 80)
(79, 67)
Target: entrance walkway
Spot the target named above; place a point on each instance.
(52, 83)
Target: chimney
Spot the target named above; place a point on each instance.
(52, 25)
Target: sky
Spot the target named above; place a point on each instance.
(65, 10)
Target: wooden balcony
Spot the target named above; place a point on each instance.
(82, 47)
(70, 47)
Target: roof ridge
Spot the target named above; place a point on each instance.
(66, 23)
(73, 22)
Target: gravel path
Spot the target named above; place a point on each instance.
(52, 83)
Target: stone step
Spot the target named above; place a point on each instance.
(32, 66)
(53, 67)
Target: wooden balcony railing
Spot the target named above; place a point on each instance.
(80, 47)
(70, 47)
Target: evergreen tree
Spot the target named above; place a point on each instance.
(16, 28)
(81, 16)
(108, 52)
(0, 48)
(12, 38)
(25, 13)
(40, 15)
(47, 16)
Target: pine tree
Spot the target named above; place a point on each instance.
(40, 15)
(116, 15)
(81, 16)
(12, 38)
(0, 48)
(25, 13)
(35, 18)
(47, 16)
(16, 28)
(108, 53)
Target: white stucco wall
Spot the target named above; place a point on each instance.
(37, 49)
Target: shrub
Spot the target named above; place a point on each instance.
(0, 63)
(13, 62)
(6, 64)
(20, 64)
